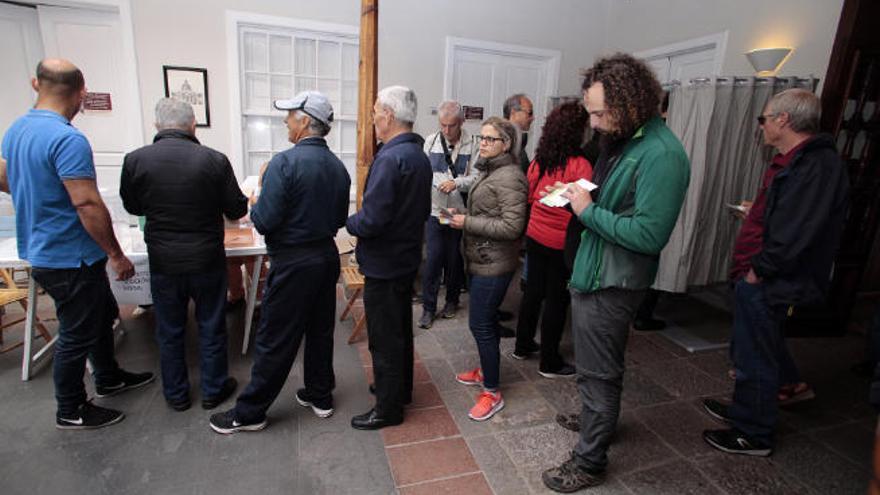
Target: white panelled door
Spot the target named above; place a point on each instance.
(93, 41)
(484, 74)
(22, 50)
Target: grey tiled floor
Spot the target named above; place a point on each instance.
(159, 451)
(824, 445)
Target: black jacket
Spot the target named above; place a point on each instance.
(396, 204)
(304, 198)
(806, 208)
(184, 189)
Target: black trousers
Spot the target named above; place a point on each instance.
(548, 280)
(388, 307)
(299, 301)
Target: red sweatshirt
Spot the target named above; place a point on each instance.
(547, 224)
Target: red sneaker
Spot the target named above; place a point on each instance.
(488, 403)
(472, 377)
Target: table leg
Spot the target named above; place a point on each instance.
(252, 290)
(29, 329)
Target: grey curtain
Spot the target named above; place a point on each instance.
(715, 119)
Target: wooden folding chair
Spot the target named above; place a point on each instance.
(10, 295)
(353, 280)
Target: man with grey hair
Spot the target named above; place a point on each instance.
(518, 109)
(184, 189)
(389, 228)
(452, 151)
(783, 262)
(303, 203)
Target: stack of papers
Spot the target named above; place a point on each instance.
(555, 198)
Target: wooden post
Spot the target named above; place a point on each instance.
(368, 81)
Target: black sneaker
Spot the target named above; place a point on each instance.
(717, 410)
(228, 388)
(523, 352)
(321, 408)
(179, 405)
(226, 424)
(570, 422)
(449, 310)
(734, 441)
(570, 477)
(127, 381)
(89, 417)
(564, 371)
(427, 319)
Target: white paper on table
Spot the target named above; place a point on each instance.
(250, 185)
(135, 290)
(557, 200)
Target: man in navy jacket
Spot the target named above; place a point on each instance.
(389, 228)
(303, 203)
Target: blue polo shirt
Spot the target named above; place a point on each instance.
(42, 149)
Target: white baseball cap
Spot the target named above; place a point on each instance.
(312, 103)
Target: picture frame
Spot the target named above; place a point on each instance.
(189, 84)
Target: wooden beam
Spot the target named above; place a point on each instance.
(367, 89)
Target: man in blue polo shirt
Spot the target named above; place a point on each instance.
(64, 231)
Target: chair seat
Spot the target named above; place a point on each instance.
(8, 296)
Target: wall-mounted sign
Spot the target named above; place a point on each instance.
(472, 113)
(97, 102)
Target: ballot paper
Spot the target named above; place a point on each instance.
(555, 198)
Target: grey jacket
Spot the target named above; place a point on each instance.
(496, 217)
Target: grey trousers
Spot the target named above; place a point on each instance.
(600, 326)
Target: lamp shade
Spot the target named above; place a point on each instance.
(766, 60)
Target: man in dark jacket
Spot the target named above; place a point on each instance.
(184, 189)
(389, 228)
(803, 219)
(304, 202)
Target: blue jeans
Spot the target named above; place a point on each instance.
(86, 308)
(758, 345)
(486, 295)
(171, 295)
(443, 255)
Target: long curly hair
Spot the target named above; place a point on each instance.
(632, 92)
(561, 137)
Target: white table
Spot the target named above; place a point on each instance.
(131, 241)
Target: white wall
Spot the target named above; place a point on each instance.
(412, 37)
(808, 26)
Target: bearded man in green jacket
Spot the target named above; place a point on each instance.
(643, 174)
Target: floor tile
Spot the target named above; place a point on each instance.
(430, 460)
(471, 484)
(675, 478)
(680, 425)
(425, 394)
(502, 474)
(420, 425)
(816, 466)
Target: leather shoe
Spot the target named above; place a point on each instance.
(228, 388)
(372, 421)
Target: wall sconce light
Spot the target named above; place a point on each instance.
(767, 61)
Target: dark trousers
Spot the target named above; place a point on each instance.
(299, 301)
(443, 257)
(600, 325)
(548, 280)
(486, 295)
(649, 304)
(171, 296)
(86, 309)
(758, 343)
(388, 308)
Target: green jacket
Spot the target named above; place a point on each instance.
(635, 213)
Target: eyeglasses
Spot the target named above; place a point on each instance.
(763, 118)
(489, 139)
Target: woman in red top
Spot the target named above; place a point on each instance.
(557, 159)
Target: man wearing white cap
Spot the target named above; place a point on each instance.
(303, 203)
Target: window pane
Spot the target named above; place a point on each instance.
(330, 88)
(349, 136)
(333, 139)
(280, 56)
(350, 58)
(279, 135)
(257, 92)
(305, 56)
(258, 137)
(255, 161)
(350, 164)
(349, 99)
(305, 84)
(328, 59)
(282, 88)
(255, 52)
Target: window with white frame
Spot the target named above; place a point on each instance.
(277, 63)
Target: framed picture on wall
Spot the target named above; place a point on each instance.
(189, 84)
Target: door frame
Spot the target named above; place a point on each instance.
(716, 41)
(454, 45)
